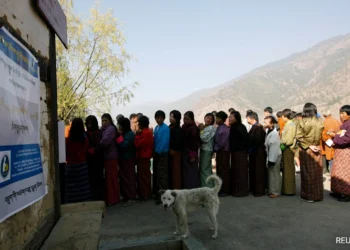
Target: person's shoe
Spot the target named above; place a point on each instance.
(344, 198)
(143, 200)
(308, 201)
(288, 194)
(112, 204)
(335, 195)
(222, 194)
(129, 203)
(274, 195)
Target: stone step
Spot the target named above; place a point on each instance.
(78, 228)
(152, 243)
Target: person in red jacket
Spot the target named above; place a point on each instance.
(76, 183)
(144, 151)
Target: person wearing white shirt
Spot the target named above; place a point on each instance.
(274, 157)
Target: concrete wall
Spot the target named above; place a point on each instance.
(25, 229)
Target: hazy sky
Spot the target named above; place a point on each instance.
(187, 45)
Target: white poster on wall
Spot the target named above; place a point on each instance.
(21, 172)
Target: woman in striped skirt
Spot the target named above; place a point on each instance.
(207, 134)
(239, 145)
(110, 151)
(308, 136)
(76, 185)
(127, 171)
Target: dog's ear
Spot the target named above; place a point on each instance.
(173, 193)
(162, 191)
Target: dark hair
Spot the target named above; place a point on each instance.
(249, 111)
(237, 116)
(139, 115)
(77, 131)
(299, 115)
(91, 119)
(143, 121)
(268, 109)
(119, 116)
(230, 110)
(190, 114)
(222, 115)
(294, 114)
(177, 116)
(271, 119)
(287, 113)
(279, 114)
(124, 123)
(159, 113)
(132, 116)
(309, 110)
(212, 116)
(254, 116)
(109, 117)
(346, 109)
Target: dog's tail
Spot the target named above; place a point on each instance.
(217, 180)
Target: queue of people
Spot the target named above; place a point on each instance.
(114, 161)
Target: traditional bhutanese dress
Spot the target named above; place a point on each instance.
(206, 155)
(288, 174)
(222, 149)
(239, 145)
(340, 174)
(309, 133)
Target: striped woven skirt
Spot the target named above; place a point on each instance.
(175, 175)
(76, 183)
(205, 168)
(340, 178)
(239, 173)
(311, 173)
(144, 177)
(127, 176)
(223, 170)
(258, 172)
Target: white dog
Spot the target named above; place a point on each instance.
(179, 200)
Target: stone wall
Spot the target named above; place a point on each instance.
(28, 228)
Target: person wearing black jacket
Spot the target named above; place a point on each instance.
(239, 145)
(175, 149)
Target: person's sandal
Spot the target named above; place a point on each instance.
(129, 203)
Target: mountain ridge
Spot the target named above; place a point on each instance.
(319, 74)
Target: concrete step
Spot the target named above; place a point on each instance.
(78, 228)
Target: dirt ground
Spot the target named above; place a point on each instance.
(244, 223)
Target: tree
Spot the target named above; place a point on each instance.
(90, 71)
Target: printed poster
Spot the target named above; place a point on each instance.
(22, 180)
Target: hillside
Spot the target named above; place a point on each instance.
(320, 75)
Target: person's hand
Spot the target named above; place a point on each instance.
(192, 159)
(315, 149)
(201, 126)
(331, 133)
(172, 152)
(271, 164)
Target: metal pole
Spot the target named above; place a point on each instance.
(54, 124)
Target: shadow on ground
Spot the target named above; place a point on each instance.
(245, 223)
